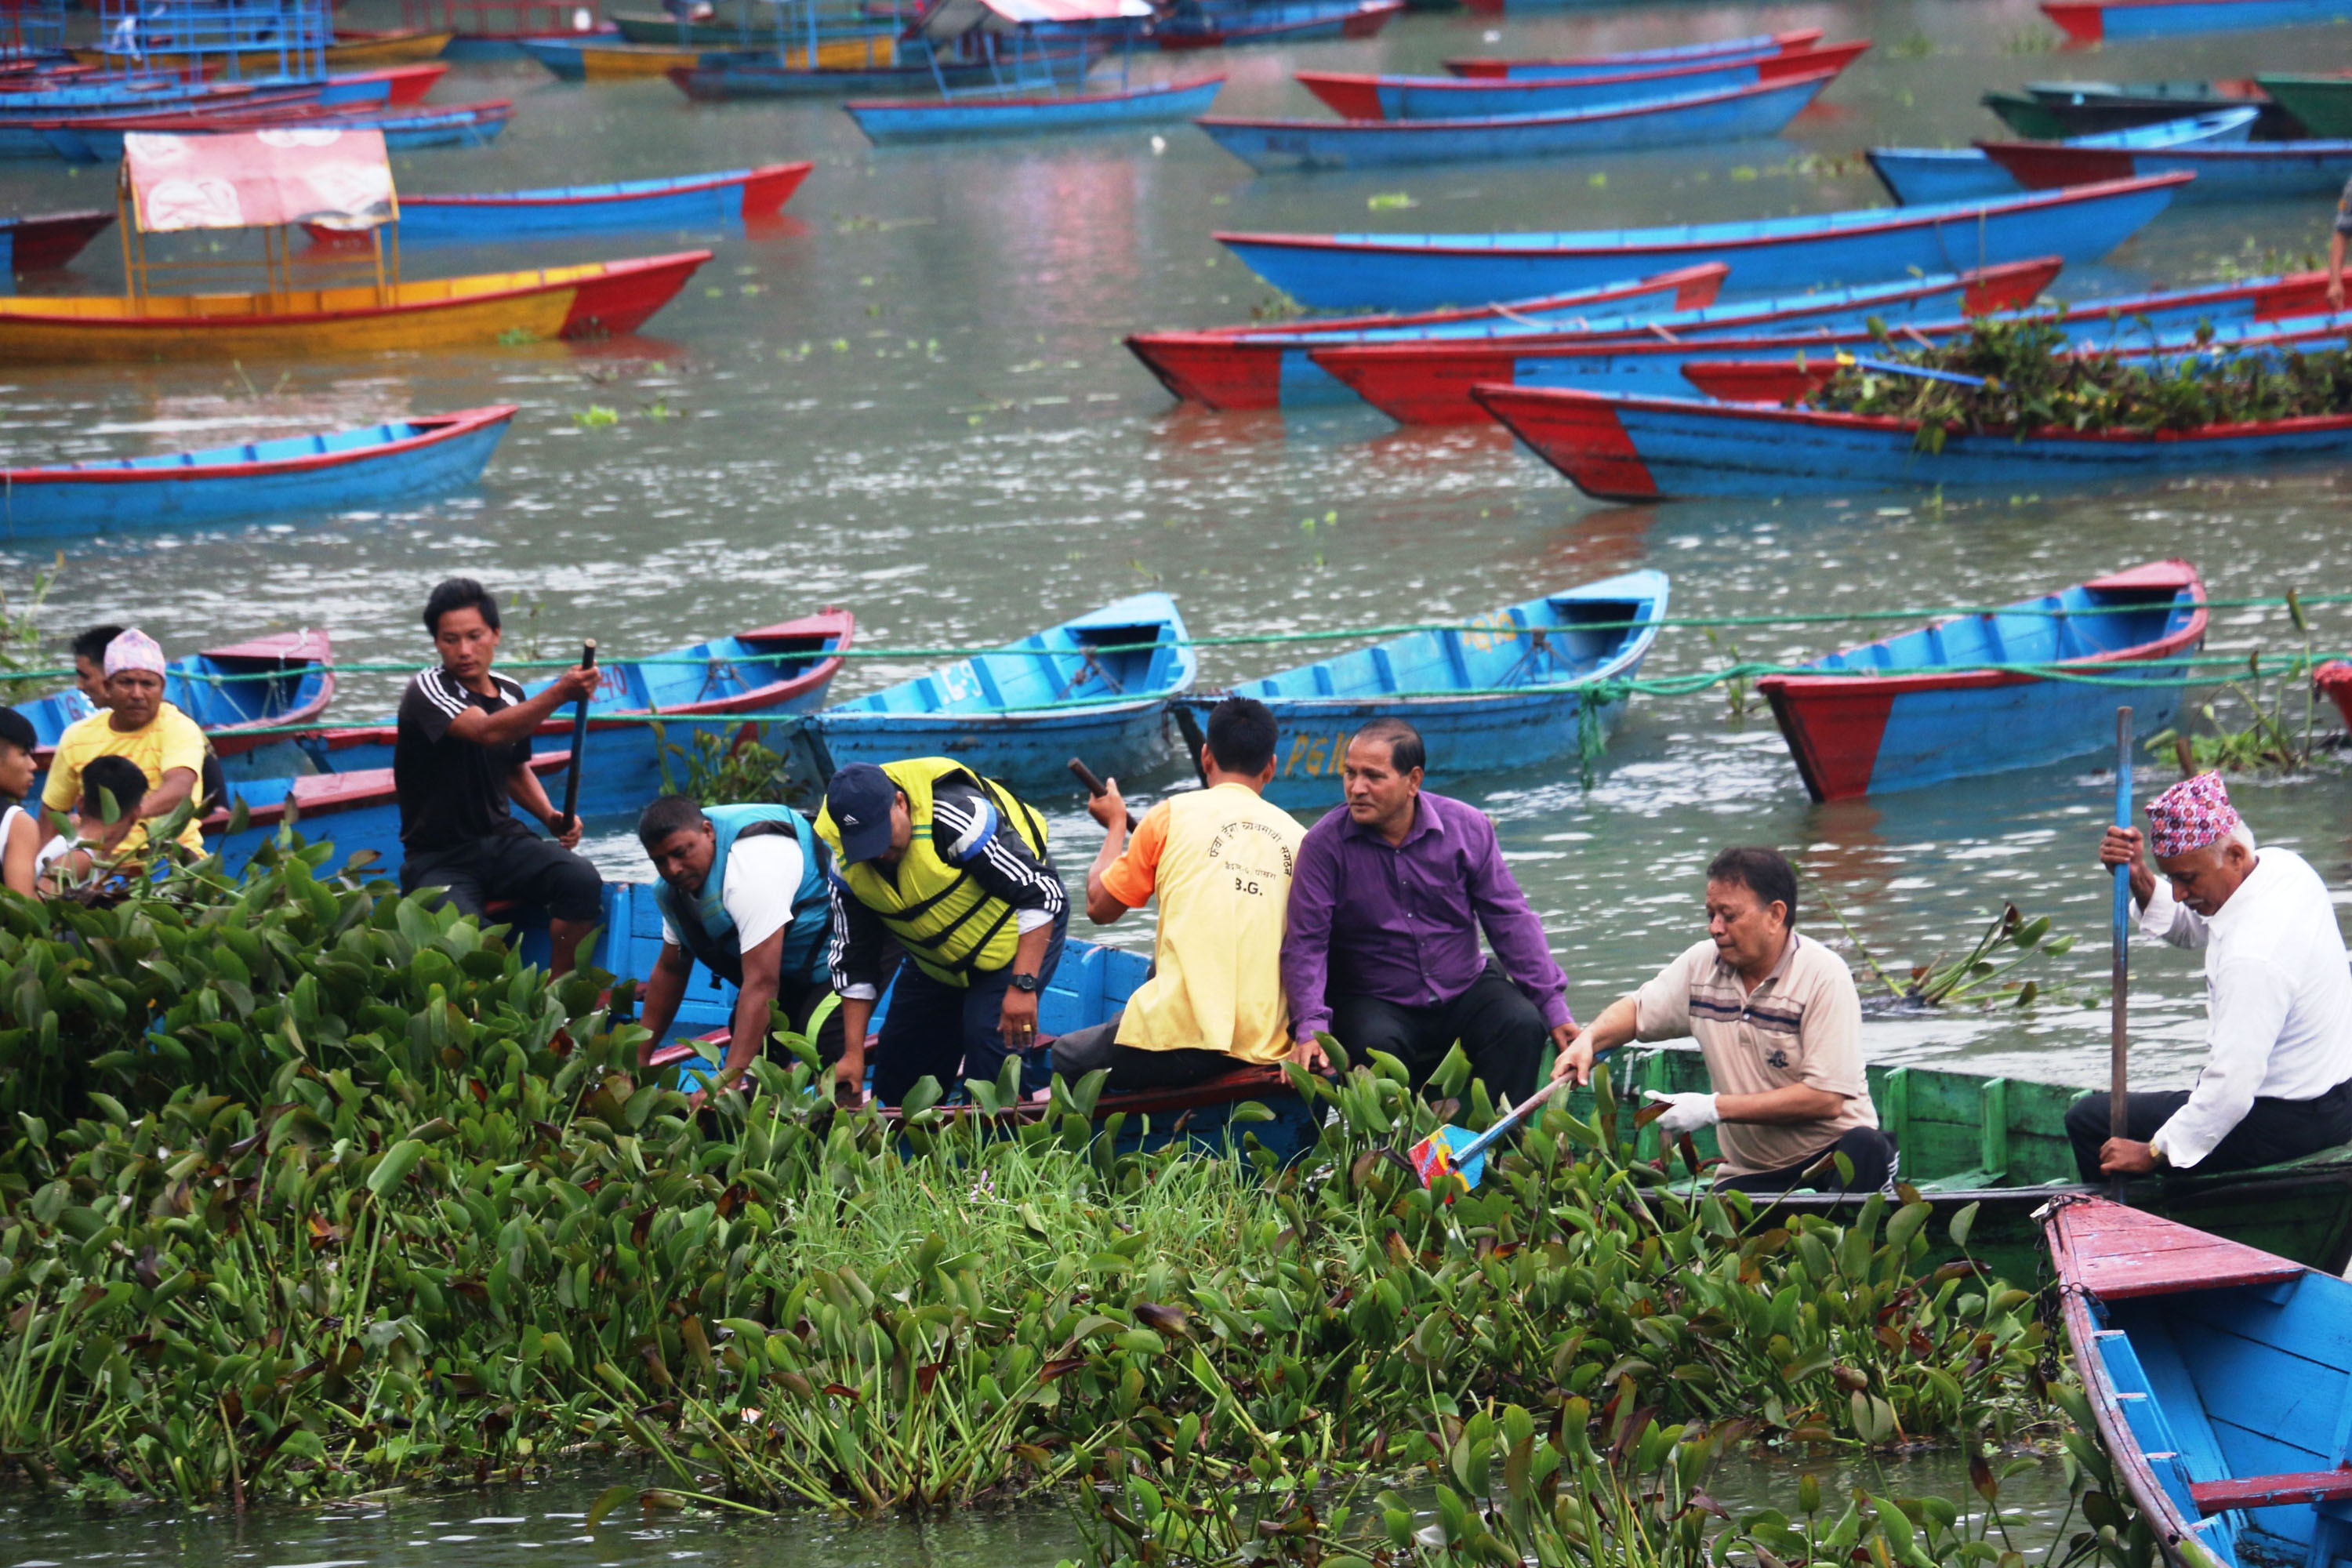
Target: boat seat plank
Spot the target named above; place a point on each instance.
(2272, 1491)
(2118, 1253)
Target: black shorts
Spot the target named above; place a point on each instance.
(518, 867)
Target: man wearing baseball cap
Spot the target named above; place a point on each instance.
(2277, 1081)
(955, 869)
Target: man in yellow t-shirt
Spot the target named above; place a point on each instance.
(1219, 861)
(141, 726)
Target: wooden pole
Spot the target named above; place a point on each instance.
(579, 747)
(2118, 1029)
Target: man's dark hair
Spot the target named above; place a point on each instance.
(1243, 735)
(1763, 872)
(668, 815)
(117, 777)
(1405, 751)
(460, 594)
(17, 731)
(91, 644)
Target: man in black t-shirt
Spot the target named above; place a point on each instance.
(461, 761)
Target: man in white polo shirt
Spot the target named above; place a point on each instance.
(2277, 1081)
(1777, 1019)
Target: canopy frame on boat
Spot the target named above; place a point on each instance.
(275, 181)
(285, 38)
(1031, 64)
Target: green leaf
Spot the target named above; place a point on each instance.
(394, 1167)
(607, 1501)
(1962, 1224)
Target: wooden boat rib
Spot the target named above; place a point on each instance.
(39, 244)
(287, 678)
(1923, 175)
(1755, 46)
(1918, 709)
(2256, 171)
(591, 299)
(377, 466)
(1411, 272)
(732, 195)
(1356, 96)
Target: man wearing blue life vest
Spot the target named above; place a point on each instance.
(743, 890)
(950, 865)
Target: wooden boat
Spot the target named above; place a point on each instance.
(495, 29)
(2054, 110)
(768, 673)
(1512, 694)
(353, 810)
(888, 121)
(1221, 26)
(1920, 709)
(50, 240)
(1429, 382)
(660, 27)
(591, 300)
(288, 679)
(682, 201)
(1756, 46)
(2322, 104)
(2258, 171)
(1724, 114)
(405, 130)
(1393, 98)
(609, 59)
(1269, 367)
(401, 85)
(2213, 1370)
(2095, 21)
(1095, 687)
(379, 466)
(1924, 174)
(1414, 272)
(352, 50)
(1630, 448)
(723, 78)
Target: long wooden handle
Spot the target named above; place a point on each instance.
(579, 746)
(2119, 982)
(1194, 742)
(1094, 785)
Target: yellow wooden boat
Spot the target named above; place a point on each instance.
(352, 51)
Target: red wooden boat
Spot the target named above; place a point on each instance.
(406, 84)
(1364, 95)
(39, 244)
(1762, 46)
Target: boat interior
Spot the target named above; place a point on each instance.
(1134, 649)
(2089, 621)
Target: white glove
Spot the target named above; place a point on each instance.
(1686, 1113)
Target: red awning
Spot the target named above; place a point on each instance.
(259, 179)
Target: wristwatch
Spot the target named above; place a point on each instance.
(1026, 983)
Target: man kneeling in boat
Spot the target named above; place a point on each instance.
(743, 890)
(1219, 860)
(2277, 1081)
(1779, 1021)
(955, 869)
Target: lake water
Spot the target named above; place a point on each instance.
(909, 398)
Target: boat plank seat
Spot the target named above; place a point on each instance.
(2272, 1491)
(2123, 1253)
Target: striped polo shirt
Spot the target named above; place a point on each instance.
(1803, 1023)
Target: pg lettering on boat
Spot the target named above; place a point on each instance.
(1488, 628)
(960, 680)
(1311, 756)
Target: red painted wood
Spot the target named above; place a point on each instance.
(2117, 1253)
(628, 293)
(1350, 95)
(1579, 433)
(1834, 736)
(2046, 167)
(55, 239)
(2335, 681)
(1759, 380)
(2272, 1491)
(768, 188)
(2084, 21)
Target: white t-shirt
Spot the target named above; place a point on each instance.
(2278, 991)
(763, 874)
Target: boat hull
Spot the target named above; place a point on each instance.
(694, 201)
(1024, 751)
(467, 125)
(2322, 103)
(887, 123)
(1784, 256)
(357, 51)
(2095, 21)
(595, 59)
(2256, 171)
(722, 78)
(1755, 45)
(1922, 176)
(40, 244)
(1396, 97)
(1342, 19)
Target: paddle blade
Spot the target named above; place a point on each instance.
(1436, 1155)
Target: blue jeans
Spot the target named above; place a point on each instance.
(950, 1032)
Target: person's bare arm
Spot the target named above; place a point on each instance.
(1017, 1019)
(665, 988)
(1791, 1102)
(480, 727)
(167, 797)
(2336, 270)
(753, 999)
(524, 786)
(1109, 809)
(1616, 1026)
(18, 855)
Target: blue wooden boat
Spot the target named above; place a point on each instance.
(2255, 171)
(1919, 175)
(288, 679)
(1724, 114)
(50, 240)
(1516, 692)
(379, 466)
(1222, 24)
(975, 114)
(1628, 447)
(1096, 686)
(721, 200)
(1755, 45)
(1415, 272)
(1920, 709)
(2094, 21)
(727, 75)
(405, 130)
(1355, 95)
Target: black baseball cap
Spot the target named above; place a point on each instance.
(859, 799)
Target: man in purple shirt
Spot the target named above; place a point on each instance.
(1386, 905)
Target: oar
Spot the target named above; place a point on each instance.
(2119, 982)
(1462, 1153)
(1095, 787)
(1894, 367)
(578, 745)
(1195, 742)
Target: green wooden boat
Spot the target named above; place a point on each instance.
(2001, 1142)
(2323, 103)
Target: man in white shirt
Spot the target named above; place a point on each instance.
(2278, 1082)
(743, 890)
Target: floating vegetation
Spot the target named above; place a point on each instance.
(720, 768)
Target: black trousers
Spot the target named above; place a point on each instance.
(2273, 1130)
(799, 999)
(1500, 1031)
(521, 867)
(948, 1032)
(1871, 1151)
(1081, 1051)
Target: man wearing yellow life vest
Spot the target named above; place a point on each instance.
(1219, 861)
(953, 867)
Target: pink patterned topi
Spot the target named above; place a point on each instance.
(2190, 814)
(134, 650)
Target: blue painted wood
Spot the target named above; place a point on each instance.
(1727, 114)
(1755, 45)
(404, 131)
(204, 687)
(1221, 24)
(683, 201)
(1923, 175)
(1020, 713)
(723, 74)
(379, 466)
(1415, 272)
(972, 115)
(2259, 170)
(1449, 97)
(2176, 18)
(1485, 702)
